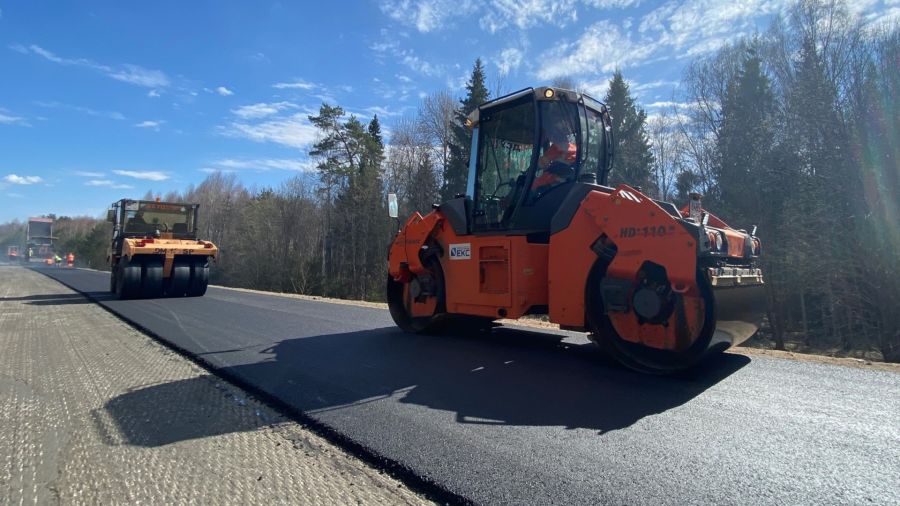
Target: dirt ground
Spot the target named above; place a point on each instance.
(94, 412)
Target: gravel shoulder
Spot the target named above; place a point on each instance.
(92, 411)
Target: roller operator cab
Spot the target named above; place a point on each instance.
(155, 252)
(539, 232)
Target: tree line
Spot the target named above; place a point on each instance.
(793, 130)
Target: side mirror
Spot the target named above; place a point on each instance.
(111, 215)
(393, 206)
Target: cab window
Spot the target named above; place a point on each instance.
(506, 146)
(558, 162)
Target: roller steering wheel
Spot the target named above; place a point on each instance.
(501, 185)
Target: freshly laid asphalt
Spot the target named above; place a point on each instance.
(526, 417)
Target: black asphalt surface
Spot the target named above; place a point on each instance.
(522, 417)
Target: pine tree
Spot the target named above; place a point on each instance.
(424, 180)
(456, 172)
(633, 160)
(372, 219)
(745, 144)
(821, 201)
(753, 180)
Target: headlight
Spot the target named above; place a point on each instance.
(720, 242)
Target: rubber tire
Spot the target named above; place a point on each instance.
(180, 280)
(112, 280)
(199, 277)
(128, 280)
(151, 278)
(421, 324)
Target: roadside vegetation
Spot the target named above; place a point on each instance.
(794, 130)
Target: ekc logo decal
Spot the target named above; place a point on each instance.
(461, 251)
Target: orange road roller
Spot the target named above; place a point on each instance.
(155, 252)
(538, 231)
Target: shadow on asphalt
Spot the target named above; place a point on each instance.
(178, 411)
(50, 299)
(505, 377)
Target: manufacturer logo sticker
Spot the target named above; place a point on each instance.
(461, 251)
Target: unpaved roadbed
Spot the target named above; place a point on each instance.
(92, 411)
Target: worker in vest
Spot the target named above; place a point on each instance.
(70, 259)
(57, 259)
(556, 164)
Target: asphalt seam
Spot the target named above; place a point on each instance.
(412, 480)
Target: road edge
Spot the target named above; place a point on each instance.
(412, 480)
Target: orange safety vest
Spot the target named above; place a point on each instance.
(554, 152)
(70, 258)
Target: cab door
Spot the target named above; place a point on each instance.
(505, 153)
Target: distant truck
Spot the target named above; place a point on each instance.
(39, 238)
(155, 252)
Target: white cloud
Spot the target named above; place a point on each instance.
(702, 26)
(436, 15)
(426, 15)
(153, 124)
(6, 118)
(135, 74)
(386, 46)
(664, 104)
(225, 92)
(419, 65)
(38, 50)
(610, 4)
(108, 184)
(262, 109)
(298, 84)
(153, 94)
(294, 131)
(83, 110)
(660, 83)
(525, 14)
(596, 87)
(84, 173)
(147, 175)
(22, 180)
(263, 164)
(380, 111)
(668, 118)
(128, 73)
(508, 60)
(601, 47)
(889, 17)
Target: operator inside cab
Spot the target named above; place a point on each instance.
(558, 150)
(532, 148)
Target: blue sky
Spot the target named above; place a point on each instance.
(102, 100)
